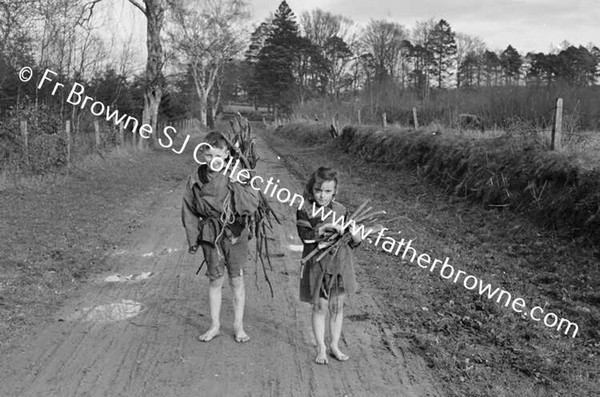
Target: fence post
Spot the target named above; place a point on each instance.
(557, 130)
(415, 119)
(384, 117)
(25, 139)
(97, 130)
(68, 131)
(359, 118)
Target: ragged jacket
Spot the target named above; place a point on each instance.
(202, 205)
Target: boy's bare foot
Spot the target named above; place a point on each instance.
(209, 335)
(338, 355)
(321, 357)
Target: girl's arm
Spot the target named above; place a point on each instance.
(308, 234)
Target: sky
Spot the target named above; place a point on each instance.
(527, 25)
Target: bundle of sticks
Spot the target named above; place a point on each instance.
(242, 144)
(331, 242)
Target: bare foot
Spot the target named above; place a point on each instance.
(209, 335)
(321, 357)
(241, 336)
(338, 355)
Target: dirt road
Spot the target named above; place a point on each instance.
(135, 333)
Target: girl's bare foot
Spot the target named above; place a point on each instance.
(209, 335)
(241, 336)
(321, 357)
(338, 355)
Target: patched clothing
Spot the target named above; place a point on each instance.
(211, 199)
(334, 274)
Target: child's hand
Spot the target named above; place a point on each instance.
(356, 233)
(192, 250)
(243, 175)
(332, 227)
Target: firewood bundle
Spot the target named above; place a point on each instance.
(332, 241)
(242, 143)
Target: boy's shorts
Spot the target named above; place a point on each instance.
(233, 257)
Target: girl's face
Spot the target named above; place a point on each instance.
(323, 192)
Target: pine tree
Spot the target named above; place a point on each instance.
(442, 45)
(274, 67)
(491, 63)
(511, 62)
(257, 40)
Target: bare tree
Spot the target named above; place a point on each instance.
(469, 46)
(319, 26)
(384, 41)
(154, 11)
(205, 36)
(421, 35)
(331, 35)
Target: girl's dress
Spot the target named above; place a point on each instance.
(332, 275)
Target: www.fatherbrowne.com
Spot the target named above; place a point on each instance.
(391, 246)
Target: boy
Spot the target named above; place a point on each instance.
(216, 212)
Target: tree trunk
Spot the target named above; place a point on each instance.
(155, 13)
(203, 109)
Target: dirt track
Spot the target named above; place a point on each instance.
(147, 345)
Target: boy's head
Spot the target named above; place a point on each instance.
(218, 149)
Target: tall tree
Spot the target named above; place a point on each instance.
(205, 36)
(257, 41)
(467, 75)
(329, 34)
(384, 41)
(491, 63)
(154, 11)
(274, 69)
(469, 54)
(338, 56)
(511, 62)
(442, 45)
(422, 56)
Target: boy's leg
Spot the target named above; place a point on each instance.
(215, 272)
(236, 255)
(336, 310)
(239, 296)
(318, 323)
(215, 289)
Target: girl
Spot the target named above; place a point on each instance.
(325, 283)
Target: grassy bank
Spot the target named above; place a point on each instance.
(556, 190)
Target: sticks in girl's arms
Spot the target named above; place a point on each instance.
(334, 240)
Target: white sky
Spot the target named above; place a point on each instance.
(528, 25)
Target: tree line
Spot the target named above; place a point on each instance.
(284, 66)
(202, 53)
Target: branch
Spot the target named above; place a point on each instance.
(138, 5)
(89, 9)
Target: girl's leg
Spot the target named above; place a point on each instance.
(336, 310)
(318, 323)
